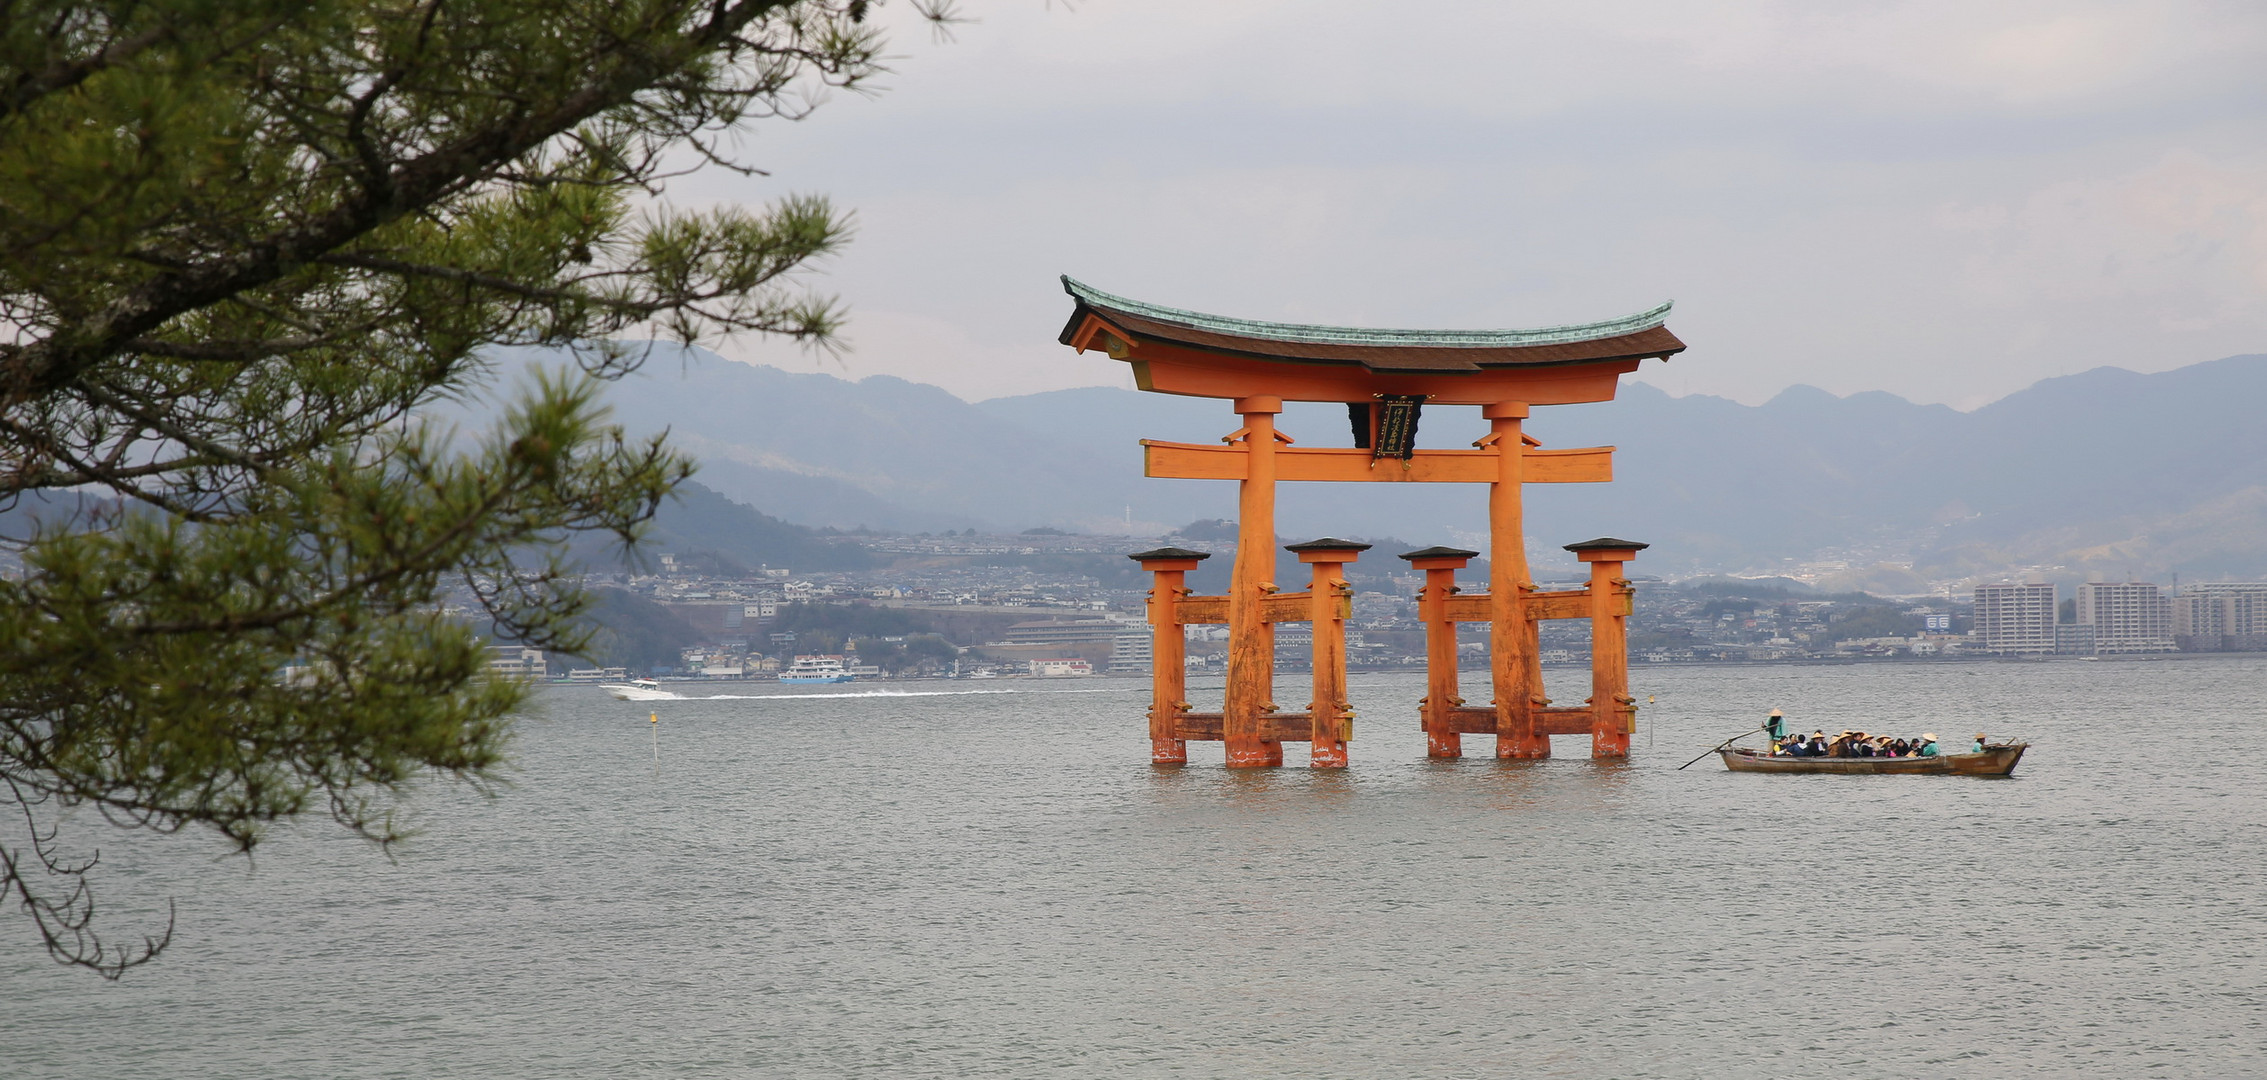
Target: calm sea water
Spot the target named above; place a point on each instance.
(990, 880)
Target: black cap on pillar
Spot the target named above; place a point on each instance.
(1327, 543)
(1329, 549)
(1439, 553)
(1607, 543)
(1168, 553)
(1607, 550)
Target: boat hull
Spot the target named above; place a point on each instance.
(826, 679)
(1994, 761)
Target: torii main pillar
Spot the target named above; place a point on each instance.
(1384, 377)
(1513, 644)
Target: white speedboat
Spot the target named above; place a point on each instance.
(637, 690)
(816, 669)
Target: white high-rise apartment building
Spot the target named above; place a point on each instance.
(2225, 607)
(2127, 616)
(2016, 618)
(2205, 618)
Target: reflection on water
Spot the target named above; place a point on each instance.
(945, 882)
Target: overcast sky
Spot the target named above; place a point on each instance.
(1945, 200)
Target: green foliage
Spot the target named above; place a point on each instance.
(630, 631)
(845, 621)
(908, 655)
(242, 243)
(1874, 622)
(700, 521)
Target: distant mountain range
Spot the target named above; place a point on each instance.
(2105, 472)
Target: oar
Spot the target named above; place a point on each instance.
(1720, 746)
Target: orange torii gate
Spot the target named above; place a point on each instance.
(1384, 377)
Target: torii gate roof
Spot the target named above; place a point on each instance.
(1630, 337)
(1189, 352)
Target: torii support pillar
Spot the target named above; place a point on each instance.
(1513, 646)
(1613, 712)
(1248, 700)
(1329, 600)
(1440, 565)
(1168, 665)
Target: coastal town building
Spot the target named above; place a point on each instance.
(1132, 651)
(1060, 667)
(2016, 619)
(2127, 616)
(1070, 631)
(516, 661)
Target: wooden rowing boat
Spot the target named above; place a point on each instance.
(1993, 761)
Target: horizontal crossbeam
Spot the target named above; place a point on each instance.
(1463, 607)
(1575, 721)
(1274, 608)
(1563, 604)
(1273, 727)
(1195, 461)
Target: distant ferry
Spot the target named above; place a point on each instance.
(816, 669)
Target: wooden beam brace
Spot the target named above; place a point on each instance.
(1195, 461)
(1274, 608)
(1562, 604)
(1198, 610)
(1471, 721)
(1274, 727)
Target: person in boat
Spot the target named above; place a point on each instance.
(1979, 747)
(1817, 746)
(1928, 745)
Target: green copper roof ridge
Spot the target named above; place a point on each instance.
(1309, 334)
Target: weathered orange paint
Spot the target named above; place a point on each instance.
(1613, 710)
(1511, 638)
(1258, 380)
(1168, 672)
(1547, 721)
(1251, 638)
(1441, 700)
(1330, 602)
(1195, 461)
(1277, 727)
(1172, 369)
(1564, 604)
